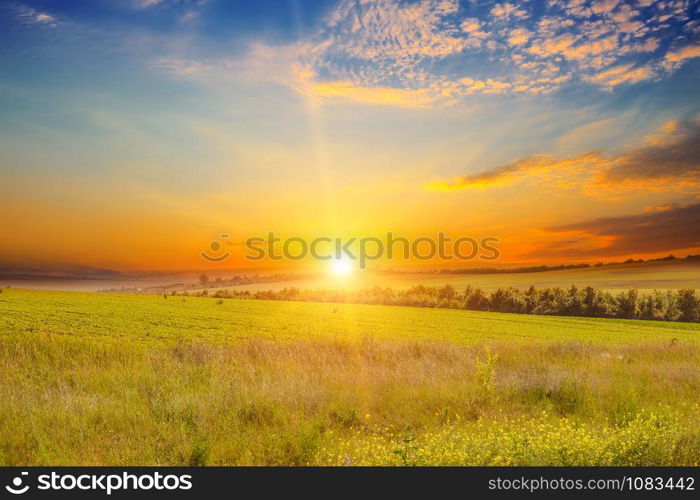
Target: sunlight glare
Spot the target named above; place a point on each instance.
(341, 267)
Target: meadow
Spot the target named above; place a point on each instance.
(109, 379)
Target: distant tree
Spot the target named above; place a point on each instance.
(505, 300)
(681, 305)
(687, 304)
(561, 301)
(531, 298)
(652, 306)
(627, 304)
(446, 295)
(591, 302)
(204, 280)
(575, 304)
(475, 299)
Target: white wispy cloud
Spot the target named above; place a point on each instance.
(31, 16)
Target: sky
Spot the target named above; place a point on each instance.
(133, 133)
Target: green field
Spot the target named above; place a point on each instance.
(108, 379)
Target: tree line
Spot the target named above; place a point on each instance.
(671, 305)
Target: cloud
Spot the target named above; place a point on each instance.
(401, 45)
(470, 24)
(626, 73)
(506, 10)
(668, 160)
(603, 6)
(670, 228)
(30, 16)
(399, 31)
(43, 17)
(673, 154)
(519, 36)
(369, 95)
(439, 52)
(662, 208)
(683, 53)
(561, 172)
(144, 4)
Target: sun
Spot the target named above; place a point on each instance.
(341, 267)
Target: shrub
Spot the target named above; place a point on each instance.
(627, 304)
(486, 372)
(687, 304)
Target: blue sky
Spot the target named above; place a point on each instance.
(190, 111)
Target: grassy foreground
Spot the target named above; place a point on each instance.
(143, 380)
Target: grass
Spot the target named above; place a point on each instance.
(98, 379)
(155, 319)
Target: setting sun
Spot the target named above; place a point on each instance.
(341, 267)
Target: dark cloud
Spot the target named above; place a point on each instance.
(676, 154)
(675, 228)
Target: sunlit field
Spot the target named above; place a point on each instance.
(102, 379)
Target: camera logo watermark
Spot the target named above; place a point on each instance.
(215, 248)
(17, 488)
(363, 250)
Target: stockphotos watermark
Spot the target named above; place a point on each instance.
(363, 250)
(103, 483)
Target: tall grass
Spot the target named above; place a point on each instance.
(79, 400)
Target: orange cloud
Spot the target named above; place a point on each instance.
(369, 95)
(560, 172)
(684, 53)
(661, 208)
(622, 74)
(519, 36)
(666, 161)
